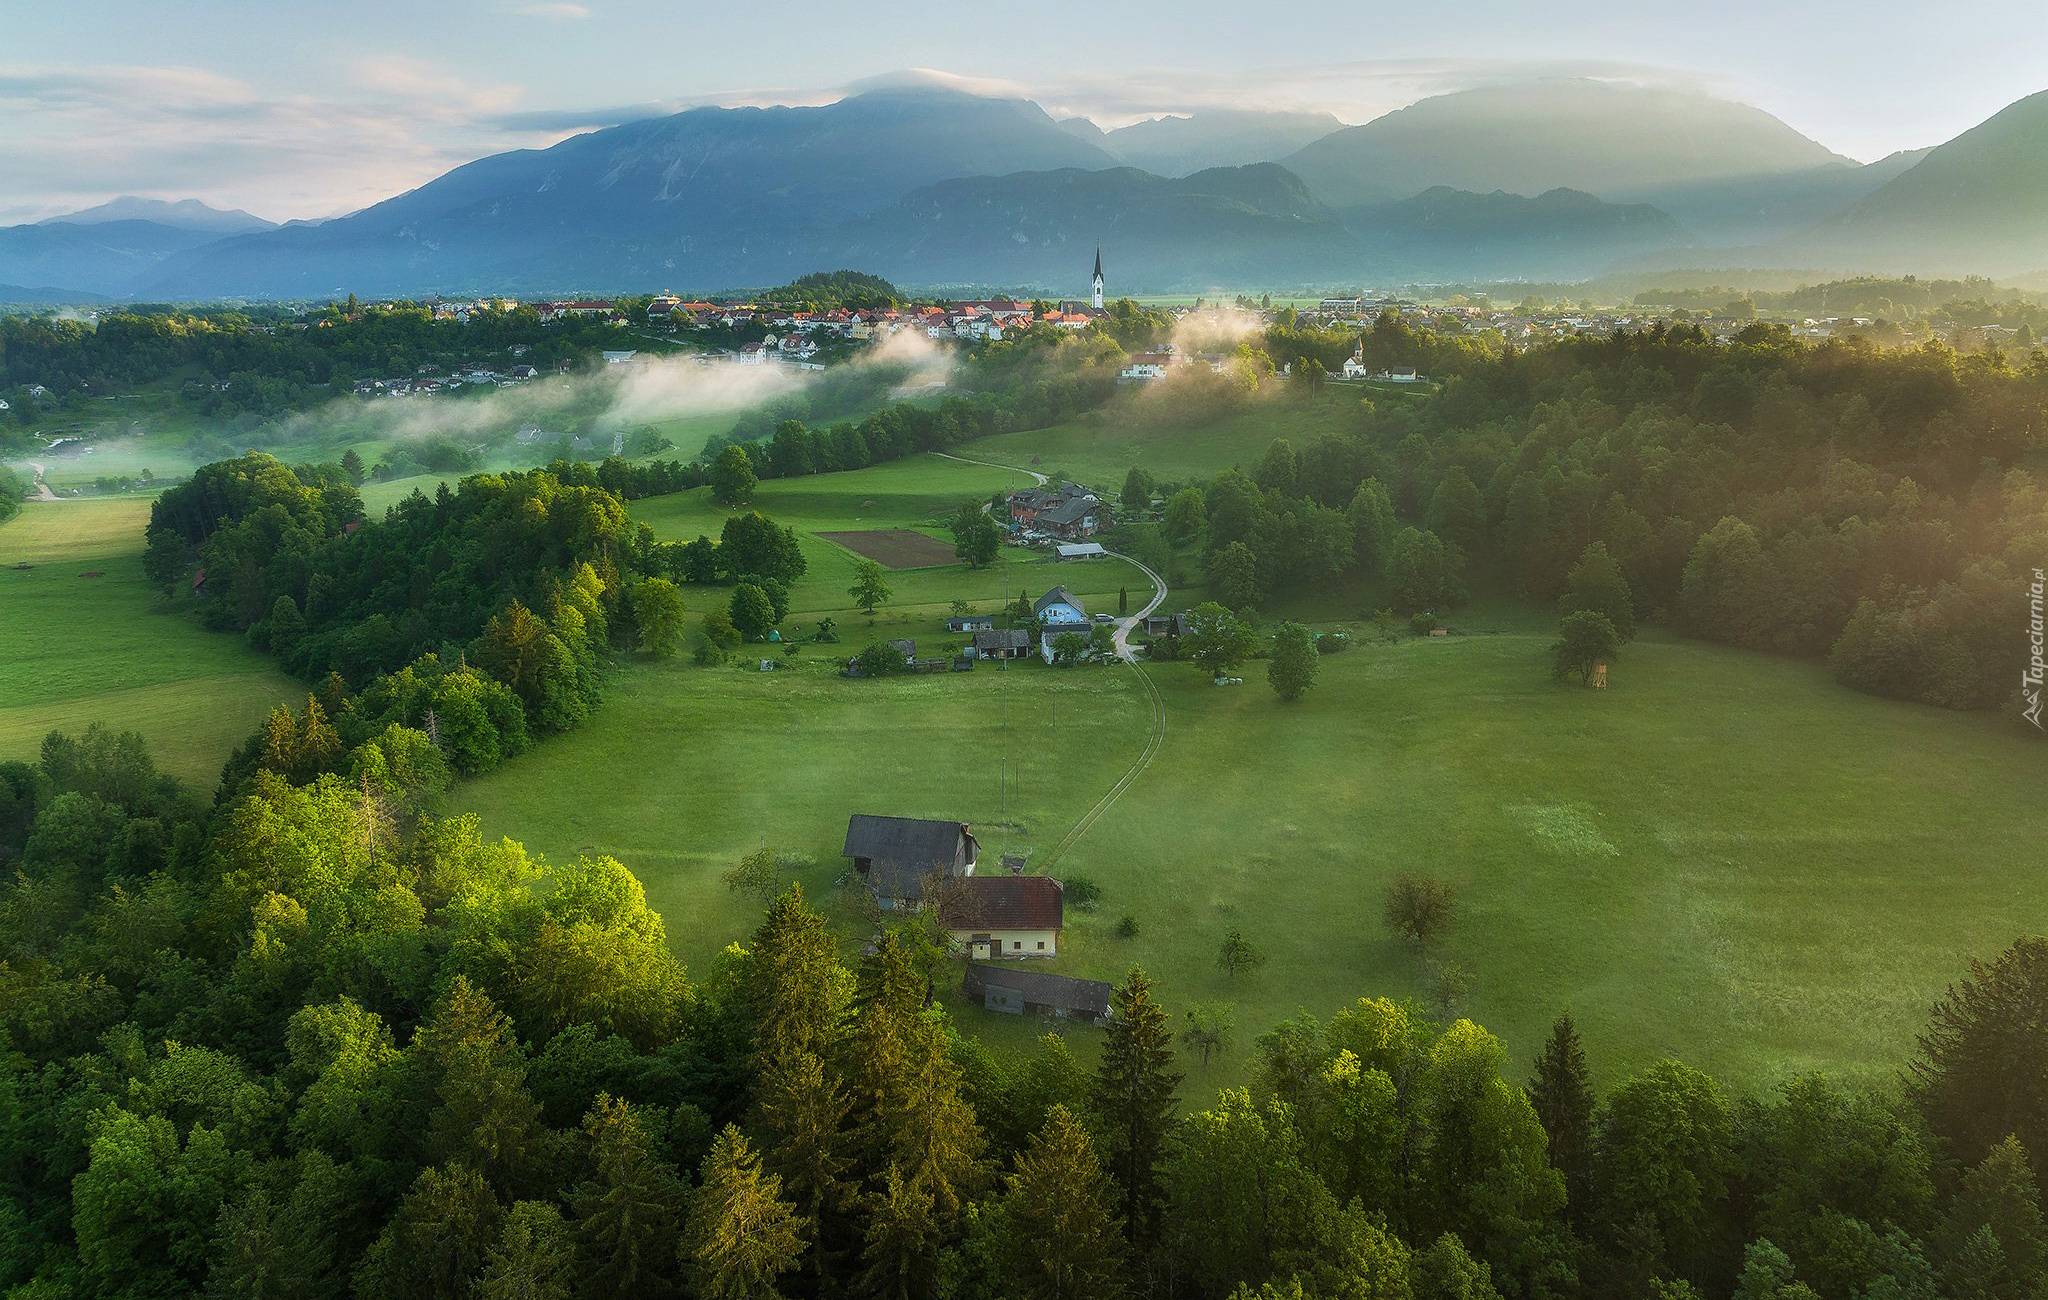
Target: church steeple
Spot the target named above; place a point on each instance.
(1098, 279)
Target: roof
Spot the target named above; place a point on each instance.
(1042, 990)
(1001, 638)
(1005, 903)
(904, 850)
(1071, 511)
(1072, 550)
(1057, 596)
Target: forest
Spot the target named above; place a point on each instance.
(308, 1040)
(1882, 509)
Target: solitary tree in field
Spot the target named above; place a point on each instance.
(732, 477)
(1137, 493)
(1292, 669)
(976, 537)
(1208, 1029)
(1217, 639)
(1586, 639)
(1419, 909)
(1238, 956)
(870, 588)
(758, 874)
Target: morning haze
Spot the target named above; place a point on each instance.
(669, 651)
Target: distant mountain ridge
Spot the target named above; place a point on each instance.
(1550, 179)
(183, 214)
(1532, 137)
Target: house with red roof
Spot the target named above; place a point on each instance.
(1004, 916)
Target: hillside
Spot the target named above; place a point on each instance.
(1223, 226)
(1600, 137)
(1561, 232)
(108, 257)
(1978, 203)
(1183, 145)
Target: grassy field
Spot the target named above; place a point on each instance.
(1725, 857)
(917, 494)
(76, 650)
(1101, 448)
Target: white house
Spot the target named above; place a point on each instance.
(1058, 611)
(1007, 917)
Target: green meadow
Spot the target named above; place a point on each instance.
(1725, 857)
(75, 650)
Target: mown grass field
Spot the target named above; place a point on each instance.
(77, 650)
(1101, 447)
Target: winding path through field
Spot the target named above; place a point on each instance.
(43, 492)
(1130, 659)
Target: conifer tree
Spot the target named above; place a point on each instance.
(628, 1212)
(1562, 1094)
(485, 1116)
(900, 1256)
(535, 1258)
(799, 988)
(1066, 1238)
(800, 1115)
(910, 1112)
(1998, 1197)
(1134, 1097)
(742, 1235)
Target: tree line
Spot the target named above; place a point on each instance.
(1876, 508)
(294, 1044)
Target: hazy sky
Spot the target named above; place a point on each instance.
(295, 109)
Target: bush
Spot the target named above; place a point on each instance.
(1083, 893)
(1418, 908)
(1422, 624)
(882, 659)
(1333, 643)
(1128, 927)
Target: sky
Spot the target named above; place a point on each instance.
(299, 110)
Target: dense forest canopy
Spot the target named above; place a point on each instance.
(303, 1043)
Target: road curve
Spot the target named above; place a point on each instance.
(969, 460)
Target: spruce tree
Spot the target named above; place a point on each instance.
(900, 1257)
(742, 1236)
(800, 1116)
(1134, 1098)
(911, 1115)
(1065, 1235)
(1998, 1196)
(1562, 1094)
(484, 1116)
(628, 1212)
(535, 1258)
(799, 987)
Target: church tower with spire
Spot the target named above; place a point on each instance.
(1098, 279)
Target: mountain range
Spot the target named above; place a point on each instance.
(1549, 179)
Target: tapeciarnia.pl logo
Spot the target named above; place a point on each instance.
(2030, 680)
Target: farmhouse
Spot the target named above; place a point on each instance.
(1058, 611)
(1004, 916)
(1002, 643)
(1069, 511)
(896, 854)
(1017, 992)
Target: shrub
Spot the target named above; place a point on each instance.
(1082, 893)
(1128, 927)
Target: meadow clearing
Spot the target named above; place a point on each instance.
(75, 650)
(1726, 857)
